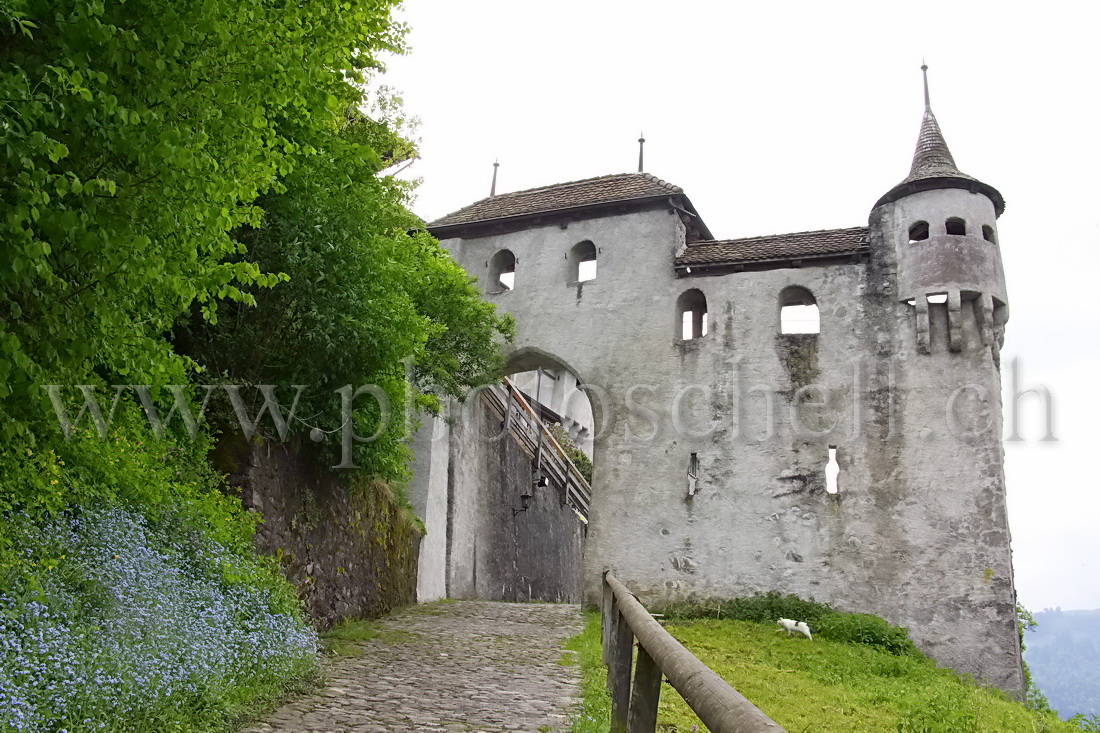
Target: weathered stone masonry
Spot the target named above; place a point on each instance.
(467, 481)
(349, 550)
(902, 380)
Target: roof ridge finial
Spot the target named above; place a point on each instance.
(493, 190)
(641, 148)
(924, 70)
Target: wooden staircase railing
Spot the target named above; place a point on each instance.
(521, 421)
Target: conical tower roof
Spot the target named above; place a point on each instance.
(934, 167)
(932, 158)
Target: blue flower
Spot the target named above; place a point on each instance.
(134, 625)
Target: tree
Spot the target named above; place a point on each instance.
(370, 295)
(1033, 696)
(134, 137)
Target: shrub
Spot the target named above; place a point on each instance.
(159, 478)
(760, 607)
(862, 628)
(572, 450)
(1086, 723)
(827, 623)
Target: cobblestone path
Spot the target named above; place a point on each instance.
(462, 666)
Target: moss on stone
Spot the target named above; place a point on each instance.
(798, 354)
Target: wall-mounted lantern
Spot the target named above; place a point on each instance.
(525, 502)
(525, 498)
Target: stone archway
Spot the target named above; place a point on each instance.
(561, 390)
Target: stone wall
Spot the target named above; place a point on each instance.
(428, 494)
(493, 553)
(918, 532)
(350, 548)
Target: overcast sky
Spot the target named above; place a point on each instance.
(783, 117)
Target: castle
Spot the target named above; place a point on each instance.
(817, 413)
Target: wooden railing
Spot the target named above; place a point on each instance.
(520, 420)
(634, 702)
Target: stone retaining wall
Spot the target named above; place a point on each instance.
(349, 547)
(494, 552)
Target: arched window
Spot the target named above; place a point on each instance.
(955, 226)
(502, 271)
(691, 310)
(798, 312)
(987, 233)
(918, 232)
(582, 262)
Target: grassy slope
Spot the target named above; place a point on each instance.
(816, 686)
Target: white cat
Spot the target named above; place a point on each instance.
(791, 626)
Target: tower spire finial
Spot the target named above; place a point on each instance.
(933, 166)
(641, 148)
(924, 70)
(493, 190)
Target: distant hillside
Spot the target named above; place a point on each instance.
(1064, 657)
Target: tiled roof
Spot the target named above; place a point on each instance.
(934, 167)
(799, 245)
(605, 189)
(932, 159)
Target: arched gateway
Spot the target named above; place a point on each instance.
(712, 448)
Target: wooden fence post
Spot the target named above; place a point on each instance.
(606, 621)
(618, 669)
(645, 694)
(721, 708)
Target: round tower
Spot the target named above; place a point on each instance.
(942, 224)
(936, 253)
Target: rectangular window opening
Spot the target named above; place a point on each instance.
(832, 473)
(693, 473)
(586, 271)
(800, 319)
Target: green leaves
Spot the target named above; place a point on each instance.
(134, 138)
(206, 157)
(365, 294)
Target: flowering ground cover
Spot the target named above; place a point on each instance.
(131, 596)
(139, 627)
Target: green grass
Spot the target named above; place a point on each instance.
(346, 637)
(818, 685)
(257, 702)
(593, 715)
